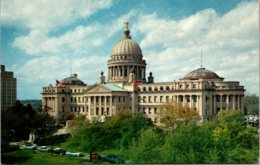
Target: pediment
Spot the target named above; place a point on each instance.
(98, 89)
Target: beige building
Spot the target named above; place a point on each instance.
(8, 88)
(127, 88)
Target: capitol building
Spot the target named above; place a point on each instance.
(127, 86)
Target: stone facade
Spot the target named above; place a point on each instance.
(8, 88)
(127, 88)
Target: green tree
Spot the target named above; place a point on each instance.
(251, 104)
(131, 127)
(19, 120)
(145, 149)
(187, 144)
(233, 140)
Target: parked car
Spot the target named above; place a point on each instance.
(30, 147)
(95, 156)
(113, 159)
(59, 151)
(76, 154)
(44, 149)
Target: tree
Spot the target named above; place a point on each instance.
(233, 140)
(251, 104)
(174, 114)
(19, 120)
(145, 148)
(187, 144)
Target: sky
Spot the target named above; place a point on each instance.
(45, 40)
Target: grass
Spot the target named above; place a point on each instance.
(30, 157)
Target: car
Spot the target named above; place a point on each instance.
(30, 147)
(113, 159)
(95, 156)
(59, 151)
(44, 149)
(76, 154)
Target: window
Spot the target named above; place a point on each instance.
(63, 108)
(144, 99)
(187, 86)
(63, 99)
(119, 99)
(180, 87)
(149, 99)
(144, 89)
(144, 110)
(71, 109)
(161, 88)
(75, 109)
(218, 98)
(75, 90)
(155, 120)
(155, 110)
(167, 88)
(71, 99)
(75, 99)
(139, 99)
(161, 99)
(150, 89)
(193, 86)
(83, 109)
(155, 89)
(155, 99)
(149, 110)
(167, 98)
(79, 99)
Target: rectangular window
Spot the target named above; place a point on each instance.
(75, 109)
(161, 99)
(167, 99)
(149, 110)
(71, 109)
(155, 99)
(83, 110)
(63, 108)
(149, 99)
(155, 110)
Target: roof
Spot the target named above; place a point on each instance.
(126, 46)
(113, 87)
(72, 80)
(201, 73)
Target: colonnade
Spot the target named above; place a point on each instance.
(122, 72)
(49, 102)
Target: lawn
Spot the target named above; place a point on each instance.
(29, 157)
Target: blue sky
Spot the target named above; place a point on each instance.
(44, 40)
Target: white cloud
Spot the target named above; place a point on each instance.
(229, 43)
(78, 41)
(48, 14)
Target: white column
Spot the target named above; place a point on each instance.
(238, 102)
(105, 104)
(215, 105)
(95, 106)
(227, 103)
(110, 106)
(220, 102)
(99, 105)
(233, 102)
(89, 107)
(191, 101)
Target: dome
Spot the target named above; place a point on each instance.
(72, 80)
(126, 46)
(201, 73)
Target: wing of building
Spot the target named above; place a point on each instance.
(127, 88)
